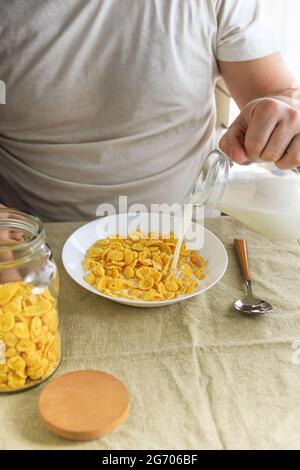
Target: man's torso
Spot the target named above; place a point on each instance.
(104, 97)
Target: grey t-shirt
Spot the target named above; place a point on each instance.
(112, 97)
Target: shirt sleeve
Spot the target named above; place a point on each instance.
(241, 35)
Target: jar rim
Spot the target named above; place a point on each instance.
(22, 220)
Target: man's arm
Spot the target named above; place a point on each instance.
(269, 124)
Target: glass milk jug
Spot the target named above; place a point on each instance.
(258, 194)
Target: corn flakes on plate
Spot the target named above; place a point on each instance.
(127, 258)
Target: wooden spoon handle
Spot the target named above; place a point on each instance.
(242, 252)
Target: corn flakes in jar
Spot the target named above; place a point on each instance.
(30, 344)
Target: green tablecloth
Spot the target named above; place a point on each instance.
(200, 375)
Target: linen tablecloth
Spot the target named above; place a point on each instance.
(200, 375)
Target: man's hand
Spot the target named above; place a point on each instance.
(268, 129)
(7, 237)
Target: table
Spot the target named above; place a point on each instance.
(200, 375)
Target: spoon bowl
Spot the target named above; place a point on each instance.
(250, 305)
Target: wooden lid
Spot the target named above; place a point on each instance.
(84, 405)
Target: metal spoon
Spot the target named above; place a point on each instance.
(250, 305)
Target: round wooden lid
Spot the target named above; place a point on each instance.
(84, 405)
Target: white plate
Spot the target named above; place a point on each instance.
(77, 244)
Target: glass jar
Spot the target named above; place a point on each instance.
(30, 345)
(258, 194)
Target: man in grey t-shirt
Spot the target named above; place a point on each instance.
(108, 98)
